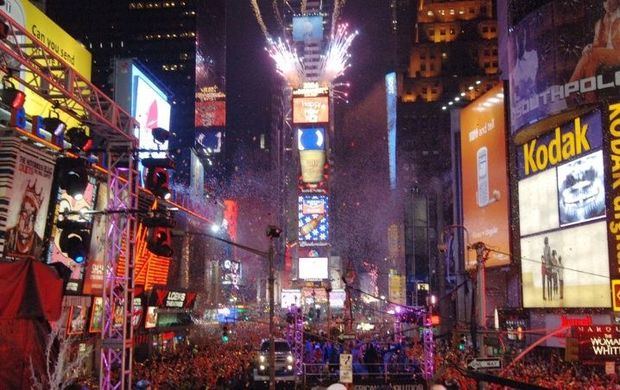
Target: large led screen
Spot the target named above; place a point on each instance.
(564, 253)
(311, 109)
(313, 219)
(231, 272)
(485, 178)
(313, 268)
(561, 56)
(307, 28)
(289, 298)
(570, 264)
(311, 138)
(151, 109)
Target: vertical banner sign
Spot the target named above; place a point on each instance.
(613, 199)
(93, 278)
(25, 187)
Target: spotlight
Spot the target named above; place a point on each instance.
(79, 139)
(12, 96)
(54, 125)
(157, 176)
(159, 237)
(74, 239)
(160, 135)
(73, 176)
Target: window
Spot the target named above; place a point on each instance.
(485, 29)
(430, 13)
(423, 67)
(442, 31)
(431, 32)
(432, 67)
(452, 11)
(452, 32)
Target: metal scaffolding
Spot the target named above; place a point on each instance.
(26, 60)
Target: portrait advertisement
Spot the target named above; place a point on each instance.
(29, 181)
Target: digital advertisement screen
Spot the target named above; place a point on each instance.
(76, 322)
(210, 139)
(93, 274)
(562, 56)
(391, 92)
(313, 268)
(66, 202)
(564, 253)
(485, 178)
(307, 28)
(573, 265)
(151, 109)
(290, 297)
(337, 298)
(231, 272)
(313, 218)
(311, 138)
(311, 109)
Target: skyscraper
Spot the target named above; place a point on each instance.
(453, 58)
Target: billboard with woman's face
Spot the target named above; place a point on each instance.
(561, 56)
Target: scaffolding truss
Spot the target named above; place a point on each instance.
(26, 60)
(118, 290)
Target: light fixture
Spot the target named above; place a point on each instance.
(157, 176)
(478, 82)
(54, 125)
(79, 139)
(12, 96)
(74, 239)
(462, 93)
(444, 107)
(72, 176)
(159, 237)
(160, 135)
(456, 99)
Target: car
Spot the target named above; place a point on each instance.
(284, 362)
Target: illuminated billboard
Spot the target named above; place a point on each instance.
(65, 202)
(612, 156)
(230, 272)
(391, 94)
(485, 178)
(307, 28)
(311, 138)
(562, 56)
(290, 297)
(313, 219)
(310, 109)
(564, 254)
(57, 40)
(313, 268)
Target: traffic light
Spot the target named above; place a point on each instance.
(72, 176)
(225, 333)
(462, 343)
(74, 239)
(157, 176)
(159, 237)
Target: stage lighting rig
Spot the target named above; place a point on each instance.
(159, 236)
(78, 138)
(72, 174)
(74, 239)
(157, 176)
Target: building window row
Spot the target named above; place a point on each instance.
(187, 34)
(156, 4)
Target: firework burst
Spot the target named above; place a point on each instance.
(336, 59)
(288, 64)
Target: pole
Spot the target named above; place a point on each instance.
(272, 347)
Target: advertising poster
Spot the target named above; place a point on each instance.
(311, 109)
(612, 156)
(76, 322)
(307, 28)
(485, 177)
(313, 219)
(25, 194)
(67, 203)
(150, 320)
(313, 268)
(598, 343)
(96, 315)
(561, 56)
(93, 274)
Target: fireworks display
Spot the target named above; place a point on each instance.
(336, 59)
(333, 63)
(288, 64)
